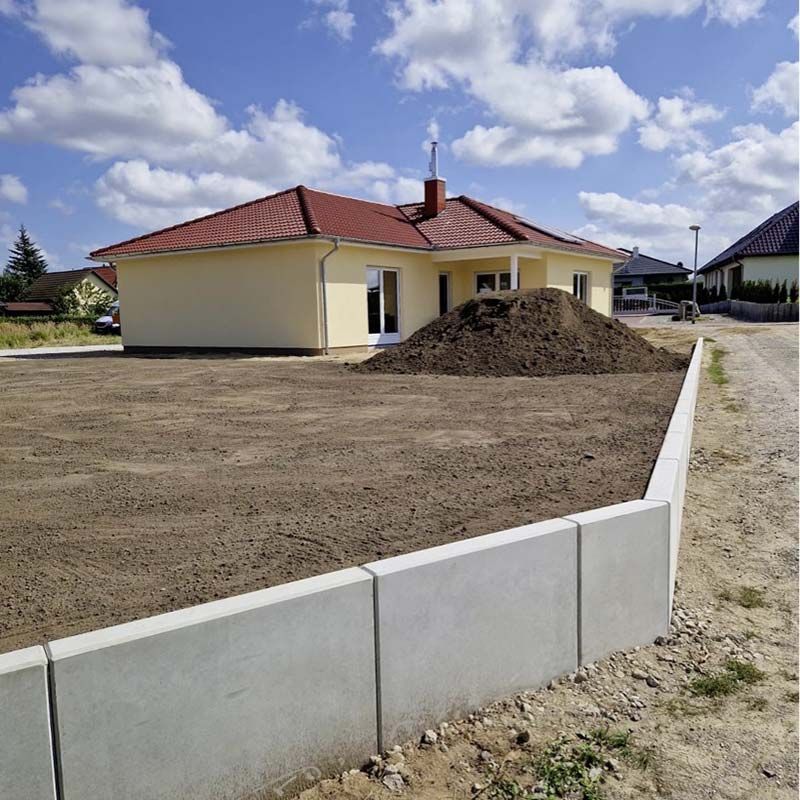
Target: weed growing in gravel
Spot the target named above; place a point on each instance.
(745, 596)
(732, 679)
(758, 704)
(571, 768)
(716, 372)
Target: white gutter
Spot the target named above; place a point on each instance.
(324, 285)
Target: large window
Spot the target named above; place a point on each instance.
(580, 286)
(492, 281)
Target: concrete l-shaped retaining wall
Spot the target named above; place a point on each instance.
(256, 696)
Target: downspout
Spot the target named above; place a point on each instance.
(324, 284)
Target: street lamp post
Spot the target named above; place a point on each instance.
(696, 229)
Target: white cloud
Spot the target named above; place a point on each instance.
(622, 222)
(506, 204)
(138, 194)
(542, 112)
(736, 186)
(64, 208)
(13, 189)
(733, 12)
(101, 32)
(117, 111)
(675, 123)
(178, 156)
(337, 17)
(558, 116)
(755, 172)
(794, 24)
(780, 91)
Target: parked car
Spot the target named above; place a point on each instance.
(109, 322)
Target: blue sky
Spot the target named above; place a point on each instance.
(623, 120)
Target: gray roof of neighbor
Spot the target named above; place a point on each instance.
(776, 236)
(641, 264)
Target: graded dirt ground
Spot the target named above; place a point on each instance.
(735, 609)
(131, 486)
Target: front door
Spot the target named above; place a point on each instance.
(383, 306)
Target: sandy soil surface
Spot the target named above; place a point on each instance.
(734, 630)
(132, 486)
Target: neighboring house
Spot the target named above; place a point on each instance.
(306, 271)
(42, 293)
(769, 252)
(641, 270)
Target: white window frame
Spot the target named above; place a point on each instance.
(378, 339)
(587, 281)
(497, 273)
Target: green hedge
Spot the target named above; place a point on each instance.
(48, 318)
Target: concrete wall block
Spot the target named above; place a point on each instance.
(264, 692)
(624, 576)
(468, 622)
(664, 486)
(676, 446)
(26, 752)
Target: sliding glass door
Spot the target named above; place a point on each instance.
(383, 306)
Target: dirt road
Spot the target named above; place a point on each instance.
(131, 486)
(711, 711)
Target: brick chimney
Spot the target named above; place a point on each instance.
(434, 186)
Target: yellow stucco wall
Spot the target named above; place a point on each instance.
(532, 274)
(770, 268)
(236, 297)
(346, 272)
(270, 296)
(562, 266)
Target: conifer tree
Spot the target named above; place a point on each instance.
(25, 261)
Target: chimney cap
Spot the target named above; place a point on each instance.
(433, 164)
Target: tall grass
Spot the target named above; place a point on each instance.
(14, 334)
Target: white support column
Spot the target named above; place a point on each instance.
(514, 261)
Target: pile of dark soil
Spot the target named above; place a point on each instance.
(530, 332)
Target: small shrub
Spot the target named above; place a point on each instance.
(794, 292)
(731, 680)
(723, 293)
(745, 596)
(783, 294)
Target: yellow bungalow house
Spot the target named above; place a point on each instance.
(768, 253)
(305, 271)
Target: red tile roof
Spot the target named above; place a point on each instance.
(302, 213)
(21, 307)
(107, 274)
(776, 236)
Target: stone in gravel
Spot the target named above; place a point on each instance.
(430, 737)
(580, 677)
(393, 782)
(652, 682)
(486, 756)
(524, 737)
(639, 675)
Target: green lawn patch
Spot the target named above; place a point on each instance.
(716, 371)
(15, 334)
